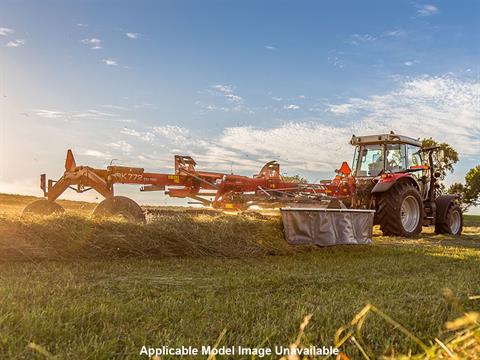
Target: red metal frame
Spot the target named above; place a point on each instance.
(229, 191)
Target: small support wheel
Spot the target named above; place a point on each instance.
(43, 207)
(120, 206)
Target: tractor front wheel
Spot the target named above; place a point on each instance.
(453, 223)
(400, 211)
(43, 207)
(122, 207)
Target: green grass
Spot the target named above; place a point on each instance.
(472, 220)
(100, 305)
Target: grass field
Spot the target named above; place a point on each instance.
(87, 289)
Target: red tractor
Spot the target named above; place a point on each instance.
(393, 175)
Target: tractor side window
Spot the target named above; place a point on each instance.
(370, 160)
(414, 159)
(413, 156)
(395, 158)
(355, 158)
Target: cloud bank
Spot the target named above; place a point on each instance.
(445, 108)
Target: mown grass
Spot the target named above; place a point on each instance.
(70, 237)
(118, 300)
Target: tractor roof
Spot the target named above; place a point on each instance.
(391, 138)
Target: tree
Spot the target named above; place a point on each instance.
(295, 179)
(470, 192)
(450, 156)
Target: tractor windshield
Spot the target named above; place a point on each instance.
(395, 158)
(370, 160)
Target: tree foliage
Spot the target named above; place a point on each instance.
(295, 179)
(470, 191)
(446, 164)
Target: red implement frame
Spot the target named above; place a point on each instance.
(228, 191)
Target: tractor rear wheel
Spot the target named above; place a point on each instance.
(453, 223)
(43, 207)
(400, 211)
(120, 206)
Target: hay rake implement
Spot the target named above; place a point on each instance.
(222, 191)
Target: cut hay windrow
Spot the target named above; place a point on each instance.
(68, 237)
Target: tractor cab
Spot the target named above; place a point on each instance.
(387, 153)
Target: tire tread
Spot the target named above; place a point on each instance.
(388, 210)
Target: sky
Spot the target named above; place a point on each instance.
(234, 84)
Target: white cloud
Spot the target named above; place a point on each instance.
(93, 43)
(227, 92)
(132, 35)
(173, 132)
(16, 43)
(427, 10)
(213, 107)
(110, 62)
(145, 136)
(145, 106)
(114, 107)
(94, 114)
(230, 101)
(270, 47)
(291, 107)
(96, 153)
(91, 114)
(287, 143)
(49, 114)
(341, 109)
(336, 58)
(5, 31)
(410, 62)
(131, 132)
(167, 133)
(394, 33)
(445, 108)
(246, 148)
(276, 98)
(81, 25)
(122, 145)
(357, 39)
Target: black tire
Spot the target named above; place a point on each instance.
(43, 207)
(120, 206)
(392, 207)
(453, 223)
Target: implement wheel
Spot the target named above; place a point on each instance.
(43, 207)
(400, 211)
(122, 207)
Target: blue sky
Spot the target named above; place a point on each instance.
(232, 83)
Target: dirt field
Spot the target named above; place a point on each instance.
(81, 288)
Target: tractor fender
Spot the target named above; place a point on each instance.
(442, 203)
(385, 183)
